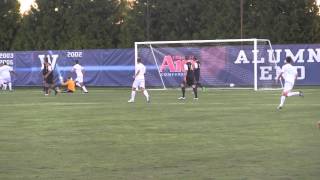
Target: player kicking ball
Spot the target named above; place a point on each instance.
(289, 73)
(139, 81)
(188, 80)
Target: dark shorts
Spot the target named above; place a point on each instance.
(197, 75)
(49, 80)
(189, 81)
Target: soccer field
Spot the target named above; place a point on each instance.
(226, 134)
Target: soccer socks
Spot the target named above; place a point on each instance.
(293, 94)
(10, 86)
(195, 92)
(145, 93)
(4, 86)
(183, 89)
(84, 89)
(46, 90)
(133, 95)
(282, 100)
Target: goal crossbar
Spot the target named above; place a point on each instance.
(201, 41)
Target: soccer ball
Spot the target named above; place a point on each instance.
(318, 124)
(231, 85)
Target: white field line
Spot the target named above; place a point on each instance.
(178, 102)
(50, 103)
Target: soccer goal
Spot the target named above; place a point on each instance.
(225, 63)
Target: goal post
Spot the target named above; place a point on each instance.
(225, 63)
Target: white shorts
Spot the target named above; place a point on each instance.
(5, 80)
(288, 86)
(79, 79)
(138, 83)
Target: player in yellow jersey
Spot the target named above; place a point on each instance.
(70, 85)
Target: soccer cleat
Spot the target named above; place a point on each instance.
(195, 98)
(182, 98)
(46, 94)
(279, 107)
(131, 101)
(301, 94)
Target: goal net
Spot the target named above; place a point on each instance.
(235, 63)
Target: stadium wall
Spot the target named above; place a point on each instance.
(115, 67)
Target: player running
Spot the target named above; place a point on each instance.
(5, 76)
(289, 74)
(79, 70)
(188, 80)
(139, 81)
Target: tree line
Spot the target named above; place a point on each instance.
(94, 24)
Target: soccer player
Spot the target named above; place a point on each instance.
(79, 70)
(1, 78)
(197, 73)
(139, 81)
(70, 85)
(5, 76)
(48, 78)
(289, 74)
(188, 80)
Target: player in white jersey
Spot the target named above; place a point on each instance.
(289, 73)
(79, 70)
(5, 76)
(139, 81)
(1, 78)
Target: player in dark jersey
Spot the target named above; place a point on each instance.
(48, 77)
(197, 73)
(189, 80)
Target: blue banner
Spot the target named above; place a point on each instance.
(220, 65)
(101, 67)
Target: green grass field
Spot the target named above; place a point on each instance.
(226, 134)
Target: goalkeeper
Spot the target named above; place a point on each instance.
(70, 85)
